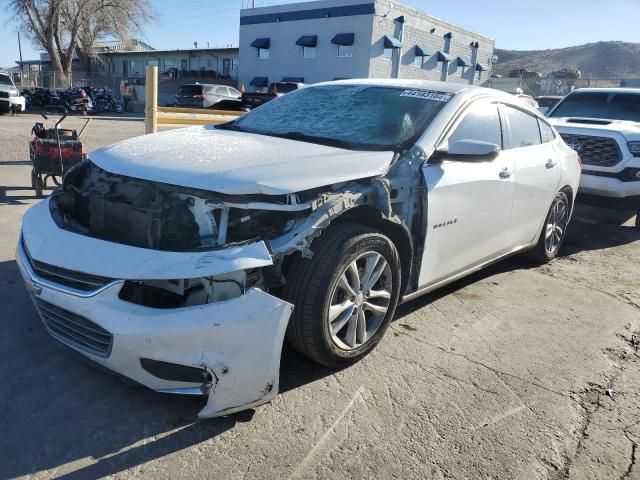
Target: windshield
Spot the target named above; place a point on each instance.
(355, 117)
(603, 105)
(5, 80)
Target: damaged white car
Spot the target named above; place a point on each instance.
(182, 259)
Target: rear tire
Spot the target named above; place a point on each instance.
(553, 230)
(345, 296)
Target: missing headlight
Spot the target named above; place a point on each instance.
(184, 292)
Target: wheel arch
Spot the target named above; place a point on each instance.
(396, 232)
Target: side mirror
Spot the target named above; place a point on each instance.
(467, 150)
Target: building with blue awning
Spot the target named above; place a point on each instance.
(328, 39)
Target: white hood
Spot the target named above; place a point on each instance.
(237, 163)
(631, 130)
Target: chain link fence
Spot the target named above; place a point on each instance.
(554, 86)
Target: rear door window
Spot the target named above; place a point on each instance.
(190, 90)
(480, 123)
(523, 129)
(221, 91)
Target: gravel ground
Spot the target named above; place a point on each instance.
(515, 372)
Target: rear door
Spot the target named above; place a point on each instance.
(469, 202)
(537, 173)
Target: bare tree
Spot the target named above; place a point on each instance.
(66, 27)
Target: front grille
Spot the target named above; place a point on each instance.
(4, 94)
(75, 330)
(598, 151)
(69, 278)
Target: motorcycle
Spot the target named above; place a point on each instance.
(76, 100)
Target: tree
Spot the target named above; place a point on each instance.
(66, 27)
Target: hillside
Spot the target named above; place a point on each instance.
(595, 60)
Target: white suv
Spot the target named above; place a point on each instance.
(10, 98)
(603, 126)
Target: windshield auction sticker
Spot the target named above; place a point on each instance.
(426, 95)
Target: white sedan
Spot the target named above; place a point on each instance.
(183, 259)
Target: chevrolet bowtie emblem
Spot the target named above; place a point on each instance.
(33, 288)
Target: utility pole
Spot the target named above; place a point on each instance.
(21, 64)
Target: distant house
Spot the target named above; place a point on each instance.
(128, 60)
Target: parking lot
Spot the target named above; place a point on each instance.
(514, 372)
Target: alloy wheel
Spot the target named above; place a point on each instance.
(556, 226)
(360, 301)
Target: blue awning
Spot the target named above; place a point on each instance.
(462, 62)
(261, 43)
(293, 79)
(259, 81)
(308, 41)
(422, 51)
(480, 67)
(444, 57)
(391, 42)
(343, 39)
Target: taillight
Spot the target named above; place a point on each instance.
(274, 91)
(199, 97)
(42, 148)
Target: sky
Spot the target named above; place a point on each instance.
(528, 25)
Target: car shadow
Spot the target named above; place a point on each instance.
(57, 410)
(7, 197)
(597, 228)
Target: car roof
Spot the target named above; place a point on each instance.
(608, 90)
(196, 84)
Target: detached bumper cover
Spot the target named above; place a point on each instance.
(238, 341)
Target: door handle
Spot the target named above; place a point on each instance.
(505, 173)
(551, 163)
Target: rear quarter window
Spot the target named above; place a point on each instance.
(547, 133)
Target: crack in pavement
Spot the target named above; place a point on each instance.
(484, 365)
(632, 460)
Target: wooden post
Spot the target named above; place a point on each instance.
(151, 100)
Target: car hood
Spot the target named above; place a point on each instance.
(237, 163)
(571, 125)
(7, 88)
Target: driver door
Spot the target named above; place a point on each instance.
(469, 200)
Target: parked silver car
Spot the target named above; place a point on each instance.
(203, 95)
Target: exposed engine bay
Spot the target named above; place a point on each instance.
(154, 215)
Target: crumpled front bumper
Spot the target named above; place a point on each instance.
(238, 341)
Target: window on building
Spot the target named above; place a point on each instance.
(345, 50)
(523, 128)
(152, 63)
(481, 123)
(309, 52)
(460, 70)
(234, 64)
(263, 53)
(388, 53)
(478, 75)
(418, 61)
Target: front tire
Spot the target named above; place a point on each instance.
(553, 230)
(345, 296)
